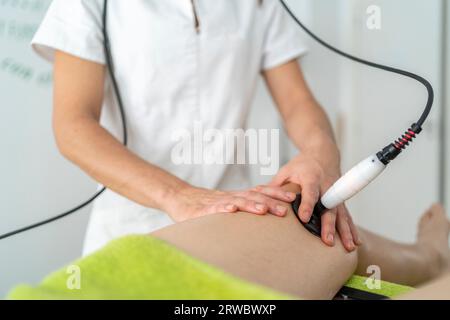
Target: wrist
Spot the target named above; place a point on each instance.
(327, 154)
(171, 194)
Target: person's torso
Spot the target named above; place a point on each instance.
(176, 78)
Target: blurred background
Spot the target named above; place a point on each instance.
(368, 109)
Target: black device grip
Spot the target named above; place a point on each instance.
(314, 225)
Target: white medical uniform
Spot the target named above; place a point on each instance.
(171, 77)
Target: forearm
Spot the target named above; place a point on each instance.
(317, 166)
(104, 158)
(306, 122)
(310, 130)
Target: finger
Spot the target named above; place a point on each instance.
(310, 196)
(222, 207)
(353, 229)
(276, 193)
(226, 208)
(275, 207)
(250, 206)
(278, 208)
(355, 234)
(344, 230)
(328, 232)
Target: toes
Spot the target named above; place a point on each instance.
(427, 215)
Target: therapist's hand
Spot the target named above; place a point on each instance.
(194, 202)
(314, 179)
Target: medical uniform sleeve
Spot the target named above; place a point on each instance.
(74, 27)
(284, 40)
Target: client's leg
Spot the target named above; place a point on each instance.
(438, 289)
(276, 252)
(410, 264)
(281, 254)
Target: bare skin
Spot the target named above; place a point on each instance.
(438, 289)
(410, 264)
(78, 97)
(275, 252)
(318, 165)
(281, 254)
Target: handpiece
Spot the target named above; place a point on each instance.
(352, 182)
(343, 189)
(356, 179)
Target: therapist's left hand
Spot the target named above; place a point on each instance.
(314, 179)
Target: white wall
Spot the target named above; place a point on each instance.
(446, 120)
(36, 181)
(379, 106)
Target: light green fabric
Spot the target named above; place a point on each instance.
(387, 289)
(142, 267)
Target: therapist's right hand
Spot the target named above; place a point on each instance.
(194, 202)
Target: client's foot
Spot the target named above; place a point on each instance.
(433, 232)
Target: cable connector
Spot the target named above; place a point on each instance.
(391, 151)
(388, 154)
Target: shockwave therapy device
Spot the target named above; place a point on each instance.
(346, 187)
(343, 189)
(367, 170)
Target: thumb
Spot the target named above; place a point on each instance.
(279, 179)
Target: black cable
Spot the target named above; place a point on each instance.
(391, 151)
(109, 63)
(422, 80)
(58, 217)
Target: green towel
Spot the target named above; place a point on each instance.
(142, 267)
(387, 289)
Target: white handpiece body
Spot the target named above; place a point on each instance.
(353, 181)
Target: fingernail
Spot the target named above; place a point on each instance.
(350, 245)
(230, 207)
(260, 207)
(331, 238)
(303, 219)
(282, 210)
(290, 195)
